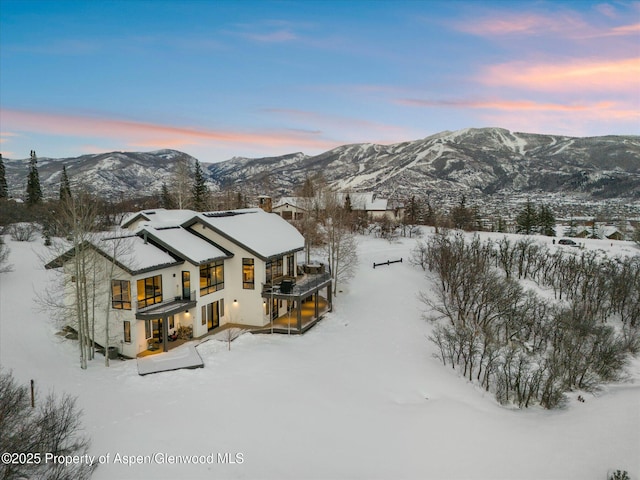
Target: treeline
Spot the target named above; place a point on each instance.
(524, 348)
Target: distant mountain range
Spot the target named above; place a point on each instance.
(476, 162)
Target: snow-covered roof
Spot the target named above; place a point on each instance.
(184, 244)
(365, 201)
(297, 202)
(265, 234)
(136, 255)
(359, 201)
(159, 217)
(130, 252)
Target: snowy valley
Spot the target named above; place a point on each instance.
(360, 395)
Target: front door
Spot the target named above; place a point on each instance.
(156, 328)
(274, 309)
(213, 315)
(186, 285)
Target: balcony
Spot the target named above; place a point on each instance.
(292, 288)
(166, 308)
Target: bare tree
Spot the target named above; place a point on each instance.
(181, 183)
(5, 266)
(341, 246)
(52, 428)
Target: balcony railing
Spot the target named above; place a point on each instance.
(307, 284)
(143, 306)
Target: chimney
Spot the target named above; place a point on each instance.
(264, 202)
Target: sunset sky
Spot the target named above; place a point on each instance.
(218, 79)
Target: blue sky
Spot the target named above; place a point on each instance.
(218, 79)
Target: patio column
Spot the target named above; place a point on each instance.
(165, 334)
(330, 306)
(299, 309)
(315, 302)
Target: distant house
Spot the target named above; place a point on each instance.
(200, 271)
(292, 208)
(369, 204)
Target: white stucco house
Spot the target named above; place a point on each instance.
(170, 271)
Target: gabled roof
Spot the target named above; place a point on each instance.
(159, 217)
(265, 235)
(132, 254)
(184, 244)
(297, 202)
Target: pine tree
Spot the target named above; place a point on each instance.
(527, 221)
(199, 190)
(166, 200)
(570, 231)
(65, 185)
(546, 221)
(4, 191)
(347, 204)
(34, 192)
(413, 211)
(463, 217)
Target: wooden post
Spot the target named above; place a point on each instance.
(33, 396)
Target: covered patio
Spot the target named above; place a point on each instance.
(306, 303)
(163, 311)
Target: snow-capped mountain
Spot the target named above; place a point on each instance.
(476, 162)
(111, 175)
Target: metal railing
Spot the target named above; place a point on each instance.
(177, 299)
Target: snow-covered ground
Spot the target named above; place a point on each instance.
(358, 396)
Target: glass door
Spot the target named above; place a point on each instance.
(186, 285)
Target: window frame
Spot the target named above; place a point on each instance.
(150, 285)
(214, 275)
(248, 273)
(118, 301)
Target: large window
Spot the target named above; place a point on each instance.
(127, 331)
(248, 273)
(274, 270)
(211, 277)
(121, 294)
(149, 291)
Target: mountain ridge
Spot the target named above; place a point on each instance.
(471, 161)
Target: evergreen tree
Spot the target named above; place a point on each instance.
(4, 191)
(527, 220)
(65, 186)
(347, 204)
(34, 192)
(546, 221)
(166, 200)
(463, 217)
(570, 231)
(199, 190)
(413, 211)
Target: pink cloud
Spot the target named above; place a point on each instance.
(584, 75)
(156, 135)
(566, 24)
(522, 23)
(517, 105)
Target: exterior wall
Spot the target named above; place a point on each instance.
(247, 308)
(243, 306)
(289, 212)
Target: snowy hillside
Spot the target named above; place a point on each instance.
(476, 162)
(472, 161)
(358, 396)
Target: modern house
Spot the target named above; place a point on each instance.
(173, 272)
